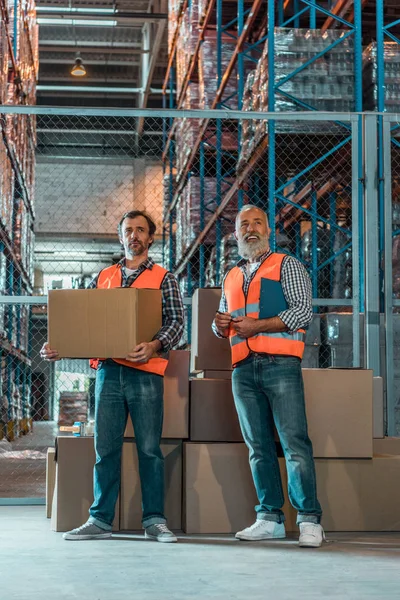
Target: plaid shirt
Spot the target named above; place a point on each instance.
(296, 286)
(172, 306)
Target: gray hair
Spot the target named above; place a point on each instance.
(249, 207)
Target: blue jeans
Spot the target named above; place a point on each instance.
(120, 389)
(270, 389)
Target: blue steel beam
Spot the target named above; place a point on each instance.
(311, 213)
(218, 164)
(271, 123)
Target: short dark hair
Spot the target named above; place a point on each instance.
(132, 214)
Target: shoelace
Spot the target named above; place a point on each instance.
(162, 528)
(257, 524)
(314, 529)
(85, 526)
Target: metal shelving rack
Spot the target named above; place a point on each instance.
(283, 210)
(15, 363)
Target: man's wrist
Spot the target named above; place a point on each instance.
(261, 325)
(157, 345)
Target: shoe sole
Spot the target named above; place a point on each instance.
(154, 538)
(259, 539)
(310, 545)
(100, 536)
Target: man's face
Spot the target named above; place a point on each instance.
(252, 233)
(135, 237)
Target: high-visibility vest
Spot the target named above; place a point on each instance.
(111, 277)
(239, 304)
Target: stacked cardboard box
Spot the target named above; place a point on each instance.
(75, 458)
(209, 488)
(343, 408)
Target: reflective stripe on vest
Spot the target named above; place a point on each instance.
(239, 305)
(152, 279)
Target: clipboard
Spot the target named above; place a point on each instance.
(272, 299)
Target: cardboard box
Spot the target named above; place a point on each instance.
(219, 495)
(339, 412)
(378, 408)
(131, 496)
(338, 404)
(207, 351)
(105, 323)
(360, 495)
(387, 445)
(50, 479)
(176, 398)
(213, 374)
(73, 493)
(213, 416)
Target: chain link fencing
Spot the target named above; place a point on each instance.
(389, 206)
(67, 177)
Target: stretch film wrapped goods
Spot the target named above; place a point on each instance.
(229, 257)
(391, 57)
(189, 212)
(326, 84)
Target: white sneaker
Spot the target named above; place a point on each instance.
(311, 535)
(262, 530)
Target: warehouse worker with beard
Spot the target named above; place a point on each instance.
(133, 385)
(264, 310)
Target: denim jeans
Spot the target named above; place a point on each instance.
(268, 390)
(120, 389)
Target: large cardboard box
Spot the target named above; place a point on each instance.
(131, 496)
(360, 495)
(50, 479)
(339, 412)
(213, 416)
(219, 495)
(355, 494)
(338, 404)
(176, 398)
(105, 323)
(73, 493)
(207, 351)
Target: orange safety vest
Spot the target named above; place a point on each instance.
(111, 277)
(239, 304)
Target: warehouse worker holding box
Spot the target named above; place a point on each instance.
(264, 309)
(135, 385)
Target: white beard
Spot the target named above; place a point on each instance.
(250, 251)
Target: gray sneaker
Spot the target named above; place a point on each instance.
(87, 531)
(159, 533)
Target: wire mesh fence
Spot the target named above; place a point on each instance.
(390, 265)
(191, 171)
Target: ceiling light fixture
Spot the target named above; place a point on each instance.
(78, 70)
(71, 10)
(77, 22)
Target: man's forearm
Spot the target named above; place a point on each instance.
(272, 325)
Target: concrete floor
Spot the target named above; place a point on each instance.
(37, 564)
(23, 462)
